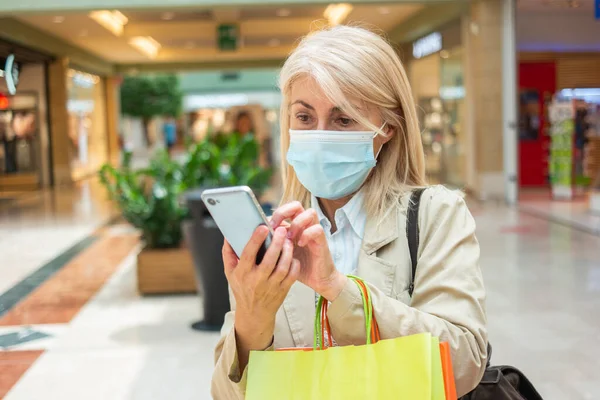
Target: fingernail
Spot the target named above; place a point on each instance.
(290, 235)
(272, 223)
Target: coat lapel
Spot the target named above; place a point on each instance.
(372, 268)
(299, 307)
(299, 304)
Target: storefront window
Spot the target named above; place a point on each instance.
(19, 138)
(87, 123)
(437, 82)
(452, 95)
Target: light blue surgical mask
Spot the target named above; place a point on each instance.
(331, 164)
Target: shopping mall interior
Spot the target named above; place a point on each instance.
(110, 290)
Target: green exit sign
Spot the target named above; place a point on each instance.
(227, 37)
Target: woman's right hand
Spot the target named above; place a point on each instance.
(259, 290)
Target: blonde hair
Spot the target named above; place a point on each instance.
(352, 62)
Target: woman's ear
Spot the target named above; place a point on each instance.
(390, 131)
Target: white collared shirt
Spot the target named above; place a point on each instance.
(346, 242)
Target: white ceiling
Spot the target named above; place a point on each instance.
(190, 36)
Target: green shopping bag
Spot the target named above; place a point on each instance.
(404, 368)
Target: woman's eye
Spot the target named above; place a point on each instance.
(343, 121)
(303, 117)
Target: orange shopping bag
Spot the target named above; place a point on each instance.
(449, 384)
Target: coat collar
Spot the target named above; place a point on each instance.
(299, 304)
(378, 233)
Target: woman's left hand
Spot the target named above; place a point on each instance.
(317, 269)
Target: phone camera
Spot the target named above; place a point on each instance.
(212, 202)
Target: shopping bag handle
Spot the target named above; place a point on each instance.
(322, 322)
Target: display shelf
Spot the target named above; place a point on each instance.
(592, 161)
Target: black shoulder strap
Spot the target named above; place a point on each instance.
(412, 233)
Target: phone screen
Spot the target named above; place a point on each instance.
(237, 214)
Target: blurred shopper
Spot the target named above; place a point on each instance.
(354, 154)
(170, 133)
(243, 124)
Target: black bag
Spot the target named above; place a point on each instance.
(498, 383)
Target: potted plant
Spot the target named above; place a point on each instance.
(222, 160)
(149, 200)
(226, 160)
(147, 97)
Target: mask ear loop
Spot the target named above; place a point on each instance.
(375, 135)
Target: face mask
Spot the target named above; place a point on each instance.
(331, 164)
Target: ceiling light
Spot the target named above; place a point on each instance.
(337, 13)
(444, 54)
(114, 21)
(474, 27)
(146, 45)
(59, 19)
(167, 16)
(283, 12)
(383, 10)
(274, 42)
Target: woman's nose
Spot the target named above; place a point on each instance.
(323, 125)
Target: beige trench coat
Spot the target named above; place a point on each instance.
(448, 299)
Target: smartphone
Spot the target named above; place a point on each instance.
(237, 213)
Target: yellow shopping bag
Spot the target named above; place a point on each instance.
(404, 368)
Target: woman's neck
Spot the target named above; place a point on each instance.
(329, 207)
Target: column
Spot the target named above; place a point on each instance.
(113, 107)
(59, 122)
(509, 104)
(485, 65)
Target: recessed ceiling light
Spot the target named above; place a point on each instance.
(474, 27)
(59, 19)
(146, 45)
(167, 16)
(114, 21)
(383, 10)
(274, 42)
(337, 13)
(283, 12)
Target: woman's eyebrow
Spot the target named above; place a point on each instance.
(305, 104)
(338, 110)
(334, 110)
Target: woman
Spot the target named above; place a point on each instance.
(350, 132)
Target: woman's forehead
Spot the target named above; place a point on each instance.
(307, 88)
(307, 92)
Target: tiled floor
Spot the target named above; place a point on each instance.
(543, 283)
(62, 297)
(575, 213)
(122, 346)
(41, 225)
(13, 365)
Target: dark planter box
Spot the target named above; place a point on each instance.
(205, 241)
